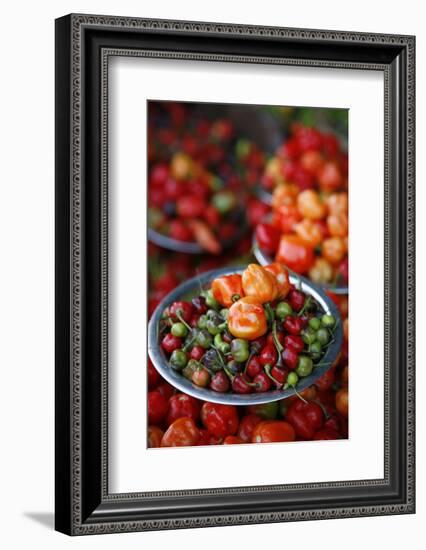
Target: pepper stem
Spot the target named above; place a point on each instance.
(305, 305)
(182, 320)
(298, 394)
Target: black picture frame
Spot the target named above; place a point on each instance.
(83, 45)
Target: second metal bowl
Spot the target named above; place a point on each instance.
(191, 288)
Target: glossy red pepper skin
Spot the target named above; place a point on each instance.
(157, 407)
(182, 433)
(294, 342)
(268, 237)
(305, 417)
(182, 405)
(268, 356)
(220, 420)
(270, 431)
(247, 426)
(182, 309)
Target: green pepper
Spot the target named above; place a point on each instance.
(211, 300)
(292, 379)
(222, 346)
(304, 366)
(178, 359)
(224, 201)
(224, 313)
(266, 411)
(314, 323)
(323, 336)
(202, 321)
(204, 339)
(283, 310)
(240, 350)
(309, 336)
(328, 320)
(179, 330)
(190, 368)
(315, 351)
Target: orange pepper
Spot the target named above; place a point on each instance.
(280, 273)
(228, 289)
(309, 231)
(259, 283)
(247, 319)
(337, 225)
(333, 250)
(310, 205)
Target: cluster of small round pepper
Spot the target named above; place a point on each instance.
(196, 174)
(308, 231)
(250, 332)
(179, 415)
(175, 419)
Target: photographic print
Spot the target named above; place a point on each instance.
(248, 274)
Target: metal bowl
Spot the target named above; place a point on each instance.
(264, 259)
(190, 289)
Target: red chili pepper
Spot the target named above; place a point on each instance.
(305, 417)
(254, 367)
(181, 309)
(294, 342)
(268, 355)
(169, 343)
(290, 357)
(197, 352)
(293, 325)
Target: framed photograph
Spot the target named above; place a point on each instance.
(230, 200)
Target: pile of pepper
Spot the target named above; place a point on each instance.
(318, 413)
(193, 177)
(253, 332)
(308, 231)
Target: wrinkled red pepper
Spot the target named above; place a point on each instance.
(305, 417)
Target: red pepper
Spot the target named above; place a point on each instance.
(153, 376)
(268, 237)
(182, 405)
(270, 431)
(182, 433)
(268, 355)
(181, 309)
(220, 420)
(247, 426)
(157, 407)
(305, 417)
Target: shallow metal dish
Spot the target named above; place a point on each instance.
(264, 259)
(191, 288)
